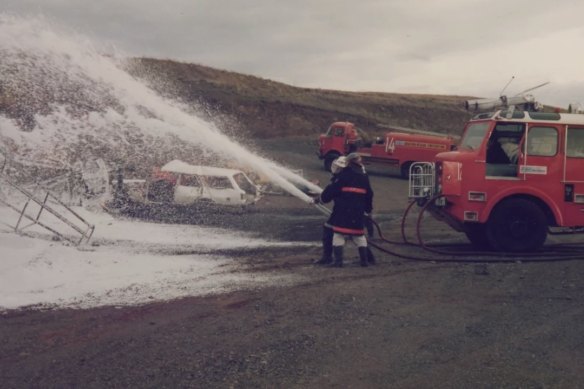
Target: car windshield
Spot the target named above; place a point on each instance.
(335, 131)
(474, 135)
(244, 183)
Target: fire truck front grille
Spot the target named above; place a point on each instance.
(422, 180)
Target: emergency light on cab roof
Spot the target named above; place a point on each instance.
(514, 175)
(396, 150)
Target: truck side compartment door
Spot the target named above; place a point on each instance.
(573, 177)
(541, 160)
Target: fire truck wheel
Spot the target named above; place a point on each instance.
(477, 234)
(517, 225)
(405, 170)
(328, 161)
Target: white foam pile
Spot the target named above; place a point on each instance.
(129, 262)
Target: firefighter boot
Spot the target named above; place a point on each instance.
(338, 253)
(327, 247)
(363, 256)
(370, 257)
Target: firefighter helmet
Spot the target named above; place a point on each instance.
(338, 164)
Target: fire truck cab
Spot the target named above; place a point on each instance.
(341, 138)
(394, 150)
(514, 175)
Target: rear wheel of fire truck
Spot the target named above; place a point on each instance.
(517, 225)
(328, 161)
(405, 169)
(477, 234)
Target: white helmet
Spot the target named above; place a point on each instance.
(338, 165)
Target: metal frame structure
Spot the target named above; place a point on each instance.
(422, 179)
(65, 217)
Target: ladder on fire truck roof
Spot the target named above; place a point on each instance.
(38, 203)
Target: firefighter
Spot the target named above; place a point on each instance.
(327, 230)
(353, 198)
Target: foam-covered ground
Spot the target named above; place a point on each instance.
(126, 262)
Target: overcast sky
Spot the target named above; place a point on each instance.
(461, 47)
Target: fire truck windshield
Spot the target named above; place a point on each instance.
(474, 135)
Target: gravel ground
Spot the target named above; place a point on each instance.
(398, 324)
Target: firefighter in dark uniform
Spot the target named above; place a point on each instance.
(327, 230)
(353, 198)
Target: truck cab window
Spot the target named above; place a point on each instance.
(495, 152)
(510, 146)
(474, 135)
(502, 154)
(542, 141)
(335, 131)
(503, 145)
(575, 143)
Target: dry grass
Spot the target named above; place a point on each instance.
(267, 108)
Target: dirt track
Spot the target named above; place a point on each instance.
(399, 324)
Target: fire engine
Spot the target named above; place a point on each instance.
(515, 176)
(395, 149)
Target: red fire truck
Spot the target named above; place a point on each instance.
(394, 150)
(514, 176)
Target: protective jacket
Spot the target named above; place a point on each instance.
(353, 197)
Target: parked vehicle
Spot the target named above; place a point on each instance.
(515, 174)
(180, 183)
(395, 150)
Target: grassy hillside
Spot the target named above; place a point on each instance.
(265, 108)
